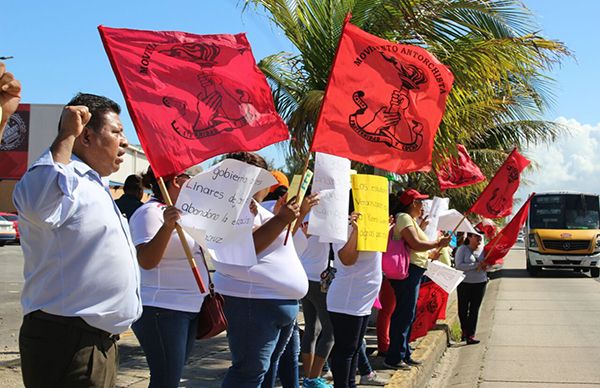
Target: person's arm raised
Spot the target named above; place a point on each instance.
(268, 232)
(151, 253)
(307, 204)
(10, 96)
(409, 234)
(72, 122)
(349, 254)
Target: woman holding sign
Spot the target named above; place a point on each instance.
(261, 300)
(407, 290)
(170, 296)
(349, 301)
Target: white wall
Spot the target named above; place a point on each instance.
(43, 127)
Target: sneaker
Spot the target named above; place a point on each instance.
(317, 382)
(401, 365)
(327, 376)
(372, 379)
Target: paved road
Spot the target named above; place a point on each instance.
(535, 332)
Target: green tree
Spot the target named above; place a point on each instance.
(499, 62)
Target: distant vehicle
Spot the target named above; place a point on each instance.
(7, 232)
(563, 231)
(521, 237)
(14, 219)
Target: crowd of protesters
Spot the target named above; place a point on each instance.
(90, 274)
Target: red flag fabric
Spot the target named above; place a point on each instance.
(488, 227)
(497, 248)
(431, 306)
(496, 200)
(459, 171)
(192, 97)
(383, 103)
(15, 144)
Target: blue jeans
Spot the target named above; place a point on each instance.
(407, 294)
(258, 331)
(364, 366)
(167, 338)
(287, 370)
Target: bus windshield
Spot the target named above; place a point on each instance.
(564, 211)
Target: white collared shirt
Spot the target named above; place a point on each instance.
(79, 256)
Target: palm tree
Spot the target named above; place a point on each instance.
(498, 59)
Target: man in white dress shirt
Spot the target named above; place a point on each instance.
(81, 273)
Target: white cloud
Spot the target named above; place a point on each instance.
(572, 163)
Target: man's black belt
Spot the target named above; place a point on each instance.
(77, 322)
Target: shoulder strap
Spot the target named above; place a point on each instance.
(331, 256)
(211, 286)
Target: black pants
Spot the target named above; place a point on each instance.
(470, 296)
(66, 352)
(348, 333)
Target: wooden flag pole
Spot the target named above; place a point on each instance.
(182, 238)
(305, 169)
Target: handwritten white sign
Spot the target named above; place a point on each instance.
(216, 202)
(446, 277)
(432, 209)
(329, 219)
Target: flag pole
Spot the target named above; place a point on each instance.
(346, 21)
(498, 234)
(304, 170)
(183, 239)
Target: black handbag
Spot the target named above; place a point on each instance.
(328, 274)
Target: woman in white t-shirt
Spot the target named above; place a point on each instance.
(170, 295)
(261, 300)
(349, 301)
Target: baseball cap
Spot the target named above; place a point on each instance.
(410, 195)
(282, 180)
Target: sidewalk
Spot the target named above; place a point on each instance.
(210, 359)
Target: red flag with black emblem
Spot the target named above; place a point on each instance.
(14, 144)
(192, 97)
(496, 200)
(383, 104)
(497, 248)
(488, 227)
(459, 171)
(431, 306)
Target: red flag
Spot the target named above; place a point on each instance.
(498, 247)
(15, 144)
(459, 171)
(488, 227)
(383, 104)
(431, 306)
(192, 97)
(496, 200)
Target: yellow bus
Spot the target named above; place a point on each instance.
(563, 231)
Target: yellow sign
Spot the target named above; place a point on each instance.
(293, 189)
(370, 194)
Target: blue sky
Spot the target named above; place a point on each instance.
(58, 51)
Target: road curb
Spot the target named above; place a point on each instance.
(429, 351)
